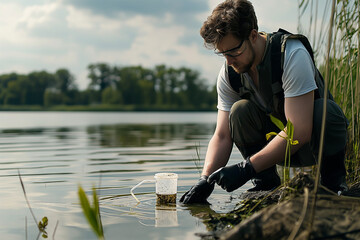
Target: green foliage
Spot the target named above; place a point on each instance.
(42, 227)
(44, 222)
(111, 96)
(159, 88)
(344, 65)
(92, 213)
(289, 131)
(100, 75)
(64, 81)
(52, 98)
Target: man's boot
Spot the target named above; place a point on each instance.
(333, 172)
(266, 180)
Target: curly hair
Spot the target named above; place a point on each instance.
(231, 16)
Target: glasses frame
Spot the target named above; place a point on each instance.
(227, 54)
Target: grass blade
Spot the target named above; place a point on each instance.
(92, 214)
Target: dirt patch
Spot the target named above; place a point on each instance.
(335, 218)
(278, 214)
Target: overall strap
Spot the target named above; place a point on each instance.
(277, 50)
(234, 78)
(277, 60)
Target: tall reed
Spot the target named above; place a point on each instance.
(344, 80)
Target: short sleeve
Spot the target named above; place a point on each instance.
(226, 95)
(299, 70)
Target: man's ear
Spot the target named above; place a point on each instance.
(253, 35)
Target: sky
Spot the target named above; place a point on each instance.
(48, 35)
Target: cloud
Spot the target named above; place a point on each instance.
(158, 8)
(72, 34)
(52, 34)
(284, 17)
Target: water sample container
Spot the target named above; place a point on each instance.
(166, 188)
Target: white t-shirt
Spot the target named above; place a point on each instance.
(298, 77)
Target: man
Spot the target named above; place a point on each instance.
(247, 96)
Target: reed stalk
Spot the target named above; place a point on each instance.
(341, 72)
(344, 68)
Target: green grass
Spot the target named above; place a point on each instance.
(41, 224)
(92, 212)
(344, 63)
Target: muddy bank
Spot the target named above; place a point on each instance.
(335, 218)
(286, 211)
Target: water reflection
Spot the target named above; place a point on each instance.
(166, 216)
(145, 135)
(114, 158)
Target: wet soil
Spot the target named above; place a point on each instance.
(286, 212)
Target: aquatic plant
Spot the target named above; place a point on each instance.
(44, 221)
(330, 45)
(197, 160)
(92, 213)
(289, 130)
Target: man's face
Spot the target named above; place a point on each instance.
(239, 54)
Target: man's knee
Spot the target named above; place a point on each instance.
(240, 109)
(247, 123)
(245, 113)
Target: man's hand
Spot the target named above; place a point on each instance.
(199, 192)
(233, 177)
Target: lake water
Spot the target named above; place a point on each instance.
(55, 152)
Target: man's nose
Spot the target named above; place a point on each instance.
(229, 60)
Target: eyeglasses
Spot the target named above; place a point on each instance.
(234, 52)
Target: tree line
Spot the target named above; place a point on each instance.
(161, 87)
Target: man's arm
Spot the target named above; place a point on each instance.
(299, 110)
(220, 145)
(217, 156)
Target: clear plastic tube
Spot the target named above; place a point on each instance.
(137, 185)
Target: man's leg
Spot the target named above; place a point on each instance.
(248, 127)
(333, 172)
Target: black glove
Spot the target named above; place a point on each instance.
(199, 192)
(233, 177)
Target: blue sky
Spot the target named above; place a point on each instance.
(51, 34)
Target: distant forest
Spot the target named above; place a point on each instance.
(129, 87)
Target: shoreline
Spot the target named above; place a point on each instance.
(105, 108)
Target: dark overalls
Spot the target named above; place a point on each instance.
(250, 121)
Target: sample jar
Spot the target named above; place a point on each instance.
(166, 188)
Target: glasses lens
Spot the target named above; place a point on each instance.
(234, 52)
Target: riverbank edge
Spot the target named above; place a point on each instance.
(274, 214)
(106, 108)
